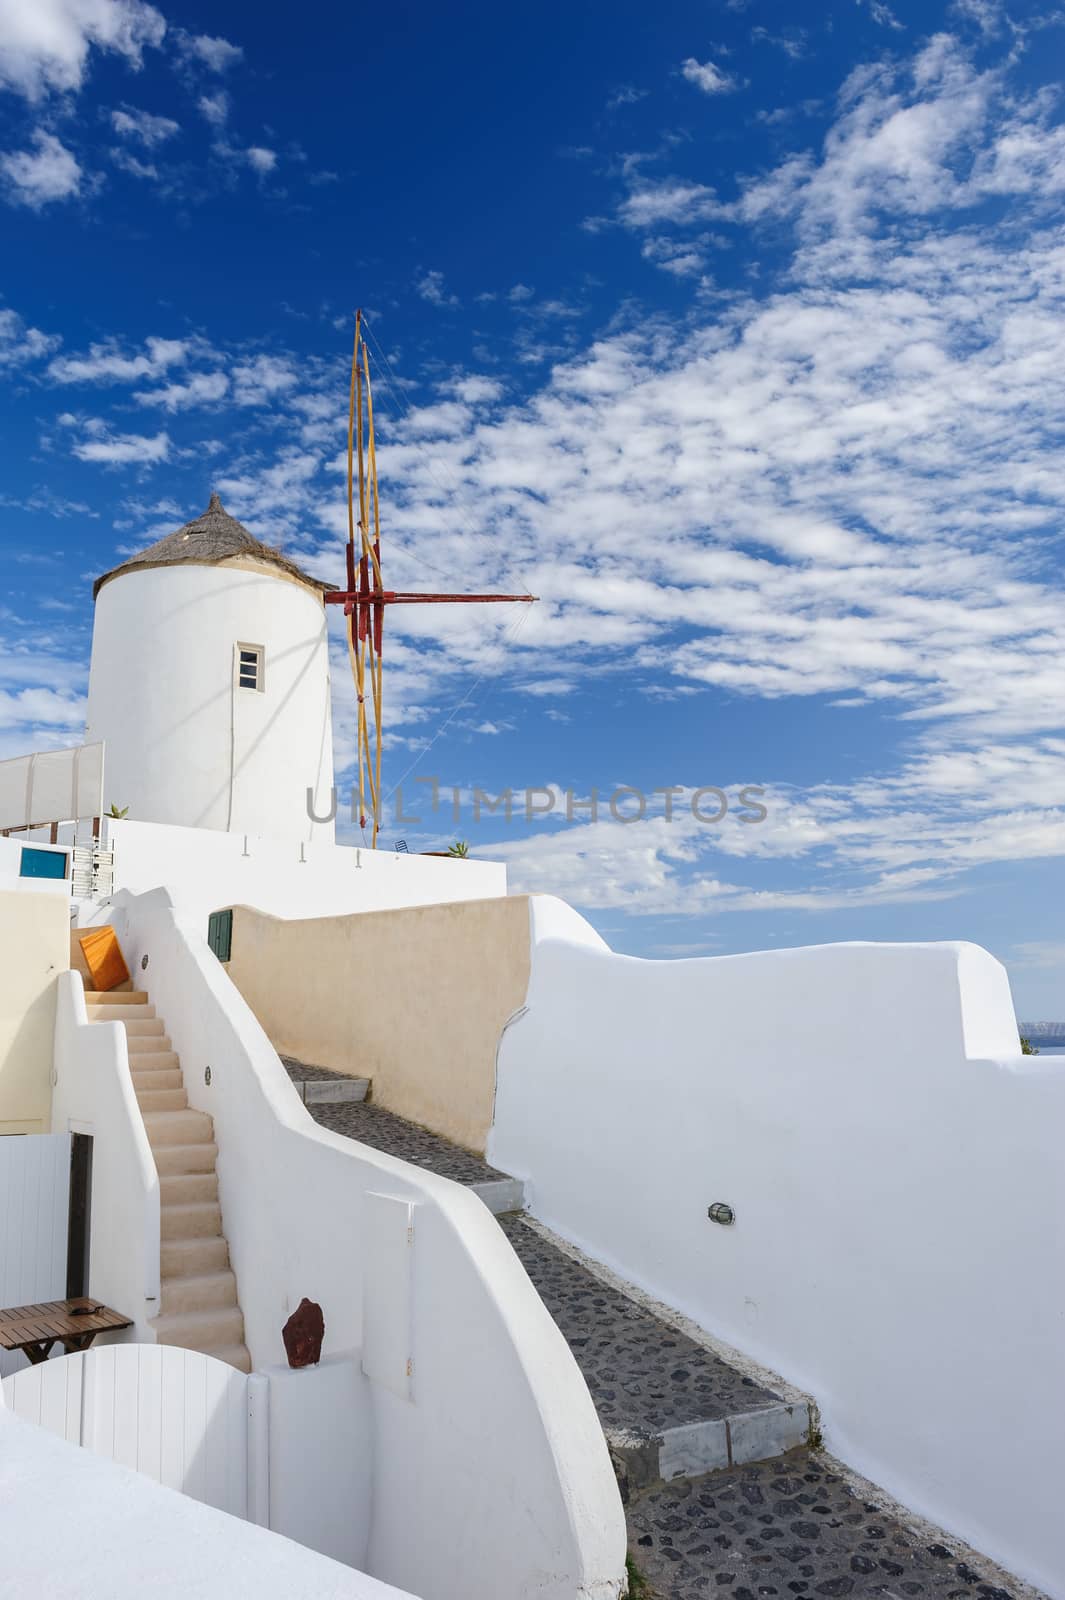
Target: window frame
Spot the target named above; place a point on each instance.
(242, 668)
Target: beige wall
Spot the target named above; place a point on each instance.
(34, 946)
(413, 999)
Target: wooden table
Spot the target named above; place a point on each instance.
(35, 1329)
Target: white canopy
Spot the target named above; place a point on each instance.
(52, 786)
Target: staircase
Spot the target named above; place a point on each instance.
(199, 1308)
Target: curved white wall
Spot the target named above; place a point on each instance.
(487, 1475)
(184, 743)
(896, 1172)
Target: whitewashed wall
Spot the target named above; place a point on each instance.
(75, 1527)
(34, 1215)
(185, 744)
(204, 869)
(489, 1474)
(896, 1170)
(93, 1093)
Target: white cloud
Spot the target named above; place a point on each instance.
(430, 285)
(653, 202)
(127, 162)
(476, 389)
(260, 160)
(883, 14)
(43, 175)
(150, 130)
(45, 44)
(107, 363)
(683, 258)
(36, 706)
(267, 494)
(123, 449)
(261, 379)
(19, 344)
(214, 108)
(707, 77)
(216, 54)
(202, 388)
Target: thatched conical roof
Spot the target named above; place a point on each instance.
(208, 540)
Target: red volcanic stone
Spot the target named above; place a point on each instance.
(303, 1334)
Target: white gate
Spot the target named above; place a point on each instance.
(34, 1217)
(180, 1417)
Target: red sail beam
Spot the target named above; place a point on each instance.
(364, 596)
(387, 597)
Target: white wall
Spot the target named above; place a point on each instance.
(34, 1215)
(896, 1171)
(93, 1093)
(321, 1496)
(489, 1471)
(74, 1527)
(204, 869)
(185, 744)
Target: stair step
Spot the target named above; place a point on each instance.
(138, 1027)
(192, 1258)
(161, 1099)
(501, 1195)
(331, 1091)
(108, 1013)
(175, 1160)
(147, 1044)
(203, 1291)
(235, 1355)
(670, 1406)
(201, 1330)
(178, 1127)
(154, 1077)
(200, 1220)
(187, 1188)
(116, 997)
(154, 1061)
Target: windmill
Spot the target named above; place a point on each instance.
(364, 596)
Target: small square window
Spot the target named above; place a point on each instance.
(250, 666)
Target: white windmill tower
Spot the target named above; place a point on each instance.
(209, 684)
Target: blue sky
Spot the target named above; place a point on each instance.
(733, 331)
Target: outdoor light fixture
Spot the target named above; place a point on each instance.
(720, 1212)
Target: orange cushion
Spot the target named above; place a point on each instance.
(103, 957)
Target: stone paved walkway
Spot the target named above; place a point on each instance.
(382, 1130)
(793, 1529)
(643, 1375)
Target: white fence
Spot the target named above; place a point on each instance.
(52, 786)
(179, 1417)
(34, 1212)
